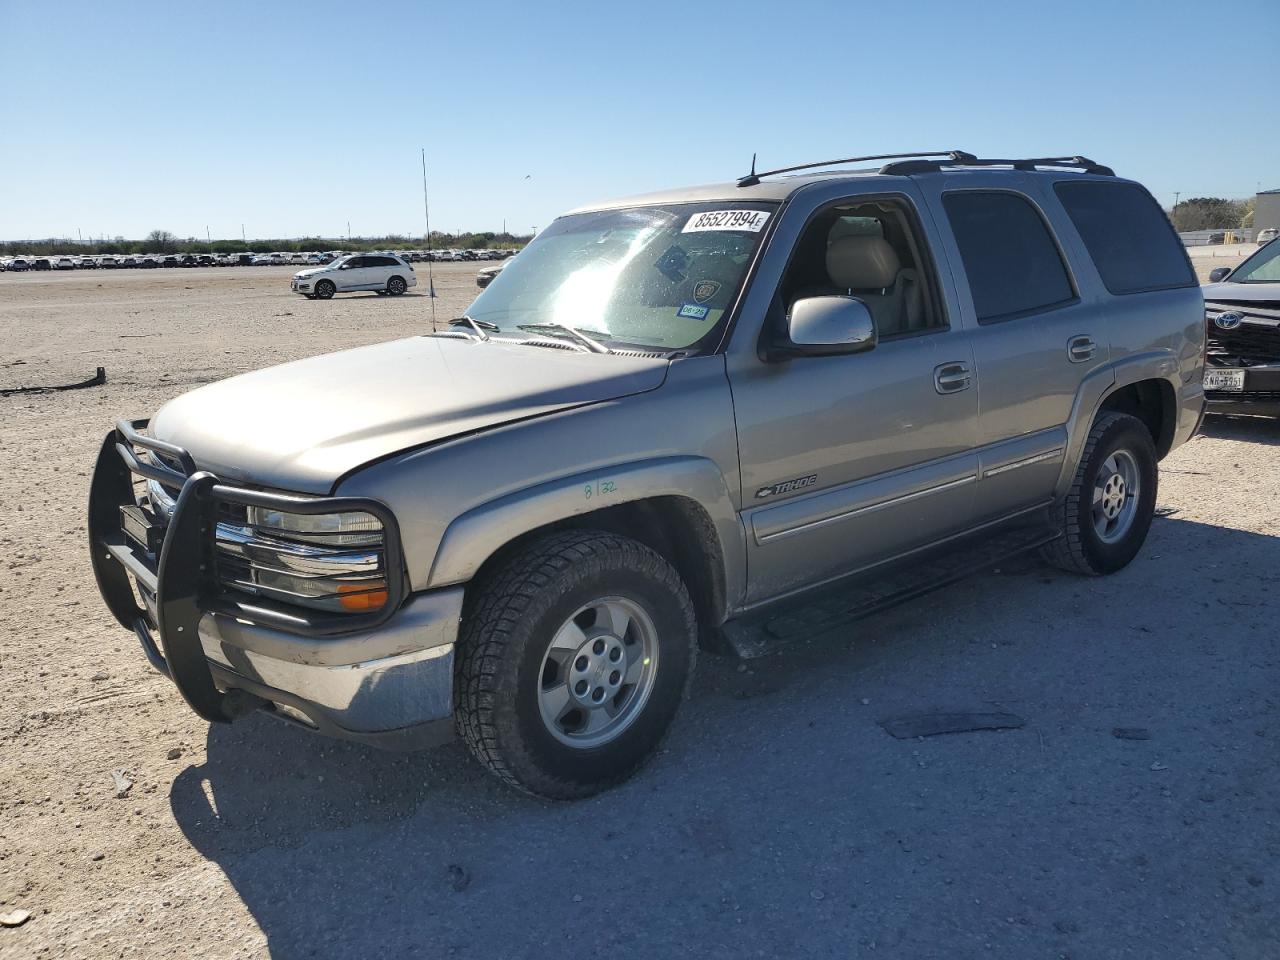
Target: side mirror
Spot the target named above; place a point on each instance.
(825, 327)
(1218, 273)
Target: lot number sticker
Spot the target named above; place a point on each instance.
(752, 221)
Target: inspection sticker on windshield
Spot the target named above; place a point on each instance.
(693, 311)
(752, 221)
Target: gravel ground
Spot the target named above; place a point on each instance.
(780, 820)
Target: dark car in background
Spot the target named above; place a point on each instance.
(1242, 314)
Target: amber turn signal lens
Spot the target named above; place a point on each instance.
(358, 597)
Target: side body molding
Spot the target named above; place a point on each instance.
(475, 535)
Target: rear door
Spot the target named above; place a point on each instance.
(1037, 332)
(381, 270)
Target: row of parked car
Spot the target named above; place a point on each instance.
(153, 260)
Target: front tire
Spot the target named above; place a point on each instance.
(325, 290)
(574, 655)
(1107, 512)
(396, 286)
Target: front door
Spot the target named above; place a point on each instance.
(353, 274)
(848, 461)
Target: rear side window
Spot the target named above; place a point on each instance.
(1010, 257)
(1127, 235)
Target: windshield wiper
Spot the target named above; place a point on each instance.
(479, 326)
(595, 346)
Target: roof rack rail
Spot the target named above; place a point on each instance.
(908, 167)
(954, 156)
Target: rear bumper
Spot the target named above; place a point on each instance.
(1190, 414)
(384, 678)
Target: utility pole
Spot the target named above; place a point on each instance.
(1173, 214)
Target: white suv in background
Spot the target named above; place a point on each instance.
(379, 272)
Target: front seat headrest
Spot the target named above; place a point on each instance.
(862, 263)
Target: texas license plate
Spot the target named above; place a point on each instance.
(1229, 381)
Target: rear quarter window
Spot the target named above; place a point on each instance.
(1129, 239)
(1010, 257)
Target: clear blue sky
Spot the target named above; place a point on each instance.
(293, 118)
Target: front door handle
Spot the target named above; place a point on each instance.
(1080, 349)
(952, 377)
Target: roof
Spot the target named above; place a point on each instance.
(779, 188)
(1276, 190)
(776, 189)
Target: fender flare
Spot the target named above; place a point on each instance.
(1093, 393)
(474, 537)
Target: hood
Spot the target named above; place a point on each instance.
(303, 274)
(303, 425)
(1265, 295)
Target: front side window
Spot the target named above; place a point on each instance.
(868, 248)
(1010, 257)
(1128, 237)
(662, 277)
(1262, 267)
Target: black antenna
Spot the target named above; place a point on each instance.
(753, 178)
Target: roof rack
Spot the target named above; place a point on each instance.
(952, 156)
(908, 167)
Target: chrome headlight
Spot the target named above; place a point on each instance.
(329, 561)
(333, 529)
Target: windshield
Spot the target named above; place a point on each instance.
(661, 276)
(1262, 267)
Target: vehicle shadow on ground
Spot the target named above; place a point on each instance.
(1264, 430)
(781, 820)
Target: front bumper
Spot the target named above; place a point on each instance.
(384, 678)
(300, 286)
(1261, 394)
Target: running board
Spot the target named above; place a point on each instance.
(760, 634)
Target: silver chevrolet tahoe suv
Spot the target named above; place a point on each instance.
(727, 415)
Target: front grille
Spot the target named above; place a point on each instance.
(1246, 340)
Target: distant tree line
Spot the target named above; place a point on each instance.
(162, 241)
(1212, 213)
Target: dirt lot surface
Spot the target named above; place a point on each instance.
(780, 820)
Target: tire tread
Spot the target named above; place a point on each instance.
(1067, 552)
(499, 606)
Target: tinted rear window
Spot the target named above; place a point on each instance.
(1011, 259)
(1127, 235)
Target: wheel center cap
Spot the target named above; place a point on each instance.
(1113, 495)
(595, 674)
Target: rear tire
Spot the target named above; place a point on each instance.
(573, 657)
(325, 290)
(396, 286)
(1104, 520)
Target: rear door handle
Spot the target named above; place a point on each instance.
(952, 377)
(1080, 349)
